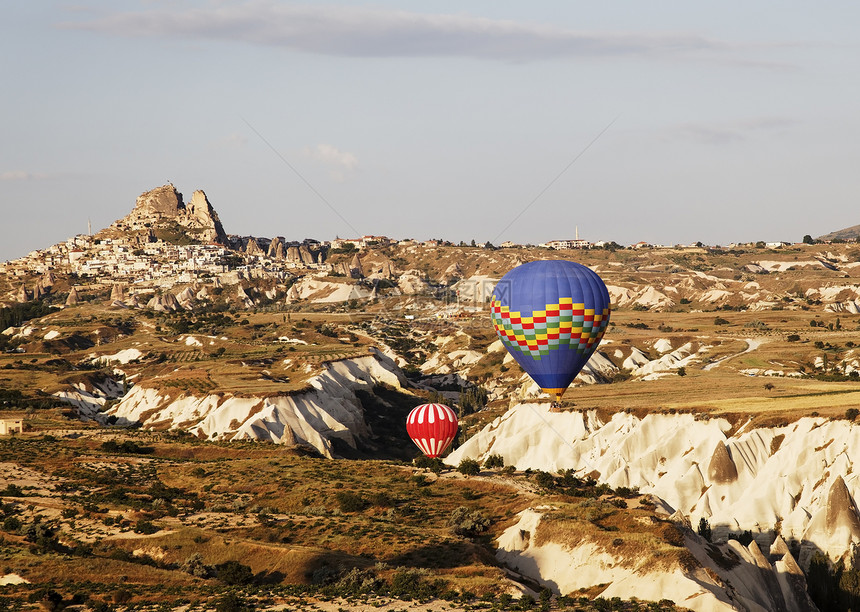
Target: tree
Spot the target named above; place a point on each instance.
(233, 572)
(494, 461)
(545, 480)
(469, 467)
(807, 239)
(704, 528)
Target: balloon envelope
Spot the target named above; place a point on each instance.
(432, 427)
(551, 315)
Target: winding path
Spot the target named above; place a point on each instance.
(752, 345)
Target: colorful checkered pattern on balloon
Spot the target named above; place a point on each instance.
(558, 325)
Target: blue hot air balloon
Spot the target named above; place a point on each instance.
(551, 315)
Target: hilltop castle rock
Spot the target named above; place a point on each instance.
(164, 205)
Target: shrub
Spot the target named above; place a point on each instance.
(382, 499)
(494, 461)
(720, 321)
(744, 538)
(545, 480)
(467, 522)
(233, 572)
(469, 467)
(433, 464)
(851, 414)
(793, 338)
(12, 490)
(48, 598)
(11, 524)
(348, 501)
(145, 527)
(194, 565)
(230, 602)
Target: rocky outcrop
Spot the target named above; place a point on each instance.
(164, 303)
(412, 282)
(23, 294)
(201, 210)
(244, 298)
(72, 299)
(834, 529)
(187, 298)
(306, 256)
(452, 274)
(117, 293)
(355, 269)
(797, 480)
(39, 291)
(276, 249)
(707, 578)
(722, 469)
(252, 248)
(328, 410)
(164, 205)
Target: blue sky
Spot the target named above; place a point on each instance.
(732, 121)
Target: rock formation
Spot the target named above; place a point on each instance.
(721, 469)
(164, 205)
(834, 529)
(453, 273)
(24, 294)
(72, 299)
(243, 297)
(306, 256)
(412, 282)
(117, 293)
(164, 303)
(292, 255)
(252, 248)
(186, 298)
(355, 269)
(276, 248)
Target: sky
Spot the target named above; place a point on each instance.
(671, 122)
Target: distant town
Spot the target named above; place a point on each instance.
(126, 259)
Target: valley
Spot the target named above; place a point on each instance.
(229, 430)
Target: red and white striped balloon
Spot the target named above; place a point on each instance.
(432, 427)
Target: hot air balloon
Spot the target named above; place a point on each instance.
(551, 315)
(432, 427)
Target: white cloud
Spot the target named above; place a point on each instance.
(729, 132)
(367, 32)
(234, 139)
(340, 163)
(19, 175)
